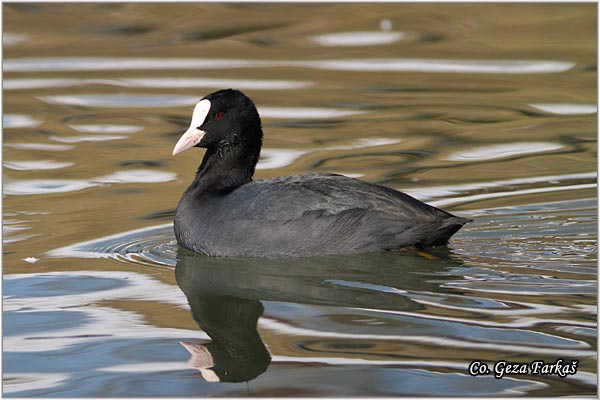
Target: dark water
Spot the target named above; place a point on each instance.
(488, 111)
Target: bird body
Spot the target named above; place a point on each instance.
(225, 213)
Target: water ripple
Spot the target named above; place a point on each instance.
(358, 38)
(78, 302)
(444, 192)
(106, 128)
(39, 146)
(19, 121)
(567, 108)
(442, 66)
(155, 244)
(121, 100)
(360, 64)
(528, 248)
(109, 64)
(277, 158)
(556, 236)
(44, 186)
(35, 165)
(87, 138)
(576, 349)
(166, 83)
(137, 176)
(48, 186)
(161, 100)
(10, 228)
(491, 152)
(10, 39)
(305, 112)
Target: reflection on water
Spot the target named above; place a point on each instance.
(88, 138)
(278, 158)
(567, 109)
(45, 186)
(12, 39)
(106, 128)
(124, 100)
(35, 164)
(487, 111)
(349, 311)
(508, 186)
(39, 146)
(363, 38)
(366, 65)
(171, 82)
(502, 150)
(236, 352)
(18, 121)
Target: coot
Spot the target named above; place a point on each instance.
(225, 213)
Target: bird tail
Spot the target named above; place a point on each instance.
(448, 228)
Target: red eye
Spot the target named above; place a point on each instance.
(219, 115)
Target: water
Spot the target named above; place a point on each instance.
(486, 110)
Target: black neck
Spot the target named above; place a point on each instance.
(226, 167)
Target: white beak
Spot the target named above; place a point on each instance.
(201, 360)
(189, 139)
(193, 135)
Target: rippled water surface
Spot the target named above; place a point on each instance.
(488, 111)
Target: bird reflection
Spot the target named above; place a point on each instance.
(236, 353)
(225, 297)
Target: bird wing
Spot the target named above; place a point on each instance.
(291, 197)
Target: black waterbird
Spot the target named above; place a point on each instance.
(225, 213)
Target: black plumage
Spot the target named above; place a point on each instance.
(225, 213)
